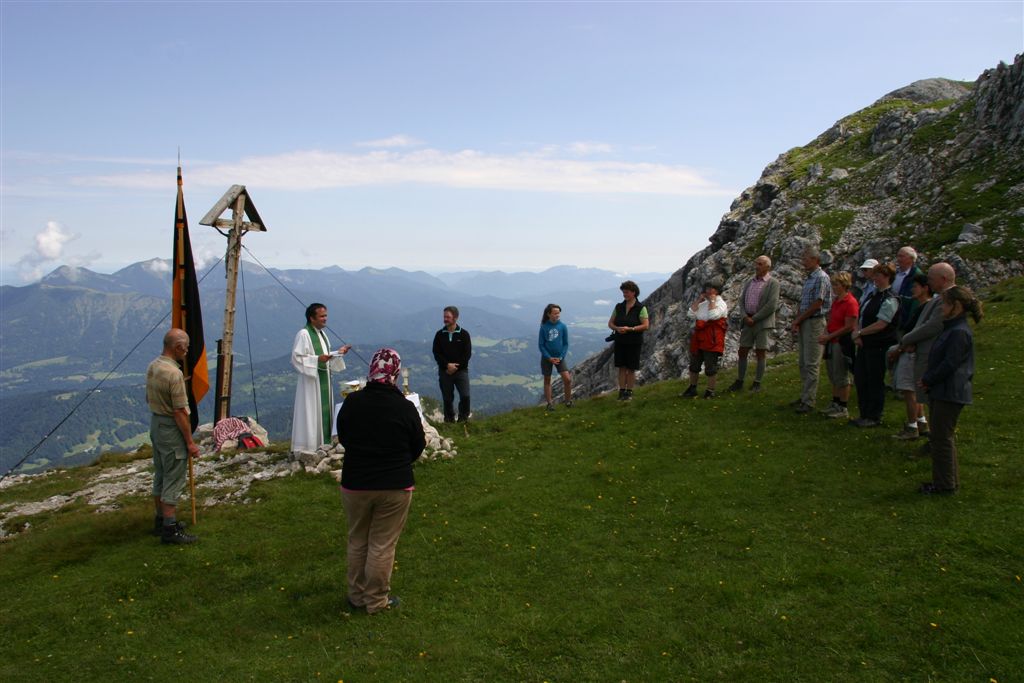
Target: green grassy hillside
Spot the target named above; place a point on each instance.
(662, 540)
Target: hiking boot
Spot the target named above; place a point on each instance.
(922, 429)
(691, 392)
(838, 412)
(796, 404)
(158, 526)
(865, 422)
(568, 404)
(708, 393)
(755, 388)
(551, 407)
(175, 535)
(628, 396)
(908, 433)
(829, 409)
(622, 394)
(929, 489)
(804, 408)
(736, 386)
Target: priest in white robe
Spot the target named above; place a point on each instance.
(313, 359)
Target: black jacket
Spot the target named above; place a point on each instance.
(951, 363)
(869, 315)
(452, 347)
(630, 319)
(382, 435)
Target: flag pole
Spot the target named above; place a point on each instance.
(187, 315)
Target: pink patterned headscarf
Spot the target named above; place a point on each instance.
(384, 367)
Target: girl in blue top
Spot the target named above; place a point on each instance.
(553, 342)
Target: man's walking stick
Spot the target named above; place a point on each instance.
(192, 488)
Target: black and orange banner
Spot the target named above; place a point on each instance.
(185, 311)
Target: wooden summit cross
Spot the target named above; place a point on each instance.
(241, 207)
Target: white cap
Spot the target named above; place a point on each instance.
(869, 263)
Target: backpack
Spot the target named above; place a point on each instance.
(247, 440)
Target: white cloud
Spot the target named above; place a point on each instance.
(203, 257)
(157, 266)
(49, 247)
(465, 169)
(602, 302)
(393, 141)
(50, 241)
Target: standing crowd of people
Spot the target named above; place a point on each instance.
(902, 321)
(905, 322)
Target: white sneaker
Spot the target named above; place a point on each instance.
(839, 412)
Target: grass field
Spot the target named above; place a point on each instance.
(662, 540)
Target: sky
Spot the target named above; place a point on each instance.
(437, 136)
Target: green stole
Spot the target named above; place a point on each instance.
(325, 384)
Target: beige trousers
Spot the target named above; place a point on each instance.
(375, 521)
(810, 358)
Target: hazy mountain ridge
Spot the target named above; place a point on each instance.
(63, 334)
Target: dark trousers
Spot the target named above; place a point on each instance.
(449, 383)
(869, 377)
(942, 438)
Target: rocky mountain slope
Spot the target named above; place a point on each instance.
(938, 165)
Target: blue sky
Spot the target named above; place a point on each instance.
(436, 135)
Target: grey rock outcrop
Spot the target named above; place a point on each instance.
(221, 476)
(937, 164)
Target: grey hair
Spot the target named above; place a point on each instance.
(910, 251)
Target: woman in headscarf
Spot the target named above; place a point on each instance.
(383, 436)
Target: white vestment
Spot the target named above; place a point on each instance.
(307, 416)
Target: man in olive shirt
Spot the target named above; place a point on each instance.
(170, 432)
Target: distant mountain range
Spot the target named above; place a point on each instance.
(63, 334)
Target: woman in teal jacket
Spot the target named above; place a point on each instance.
(553, 342)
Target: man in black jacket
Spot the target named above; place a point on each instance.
(452, 350)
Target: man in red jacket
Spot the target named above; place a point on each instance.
(707, 342)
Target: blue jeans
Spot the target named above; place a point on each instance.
(449, 383)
